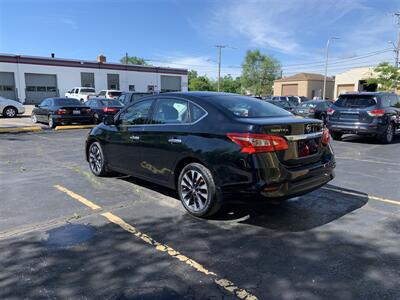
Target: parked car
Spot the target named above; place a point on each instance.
(205, 147)
(100, 108)
(286, 105)
(293, 100)
(373, 114)
(10, 108)
(80, 93)
(313, 109)
(108, 94)
(130, 97)
(56, 111)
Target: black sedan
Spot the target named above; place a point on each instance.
(207, 147)
(56, 111)
(313, 109)
(101, 108)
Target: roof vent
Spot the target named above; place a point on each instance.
(101, 59)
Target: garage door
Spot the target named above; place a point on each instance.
(170, 83)
(7, 85)
(39, 87)
(290, 89)
(345, 88)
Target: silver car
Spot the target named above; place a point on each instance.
(10, 108)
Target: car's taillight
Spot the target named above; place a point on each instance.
(312, 110)
(376, 112)
(325, 137)
(61, 111)
(254, 143)
(330, 111)
(110, 109)
(86, 110)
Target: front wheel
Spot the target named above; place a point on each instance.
(97, 162)
(197, 190)
(388, 135)
(34, 118)
(10, 112)
(52, 123)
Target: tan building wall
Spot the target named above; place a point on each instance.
(305, 88)
(349, 80)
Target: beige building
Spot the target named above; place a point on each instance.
(304, 84)
(354, 80)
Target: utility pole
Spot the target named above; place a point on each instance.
(219, 63)
(397, 49)
(126, 58)
(326, 65)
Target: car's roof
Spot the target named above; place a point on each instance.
(366, 93)
(316, 101)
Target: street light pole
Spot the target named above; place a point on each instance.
(326, 65)
(219, 63)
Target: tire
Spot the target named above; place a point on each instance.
(388, 135)
(52, 123)
(97, 162)
(10, 112)
(34, 119)
(96, 119)
(197, 190)
(337, 136)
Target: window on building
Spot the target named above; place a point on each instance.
(113, 81)
(131, 87)
(41, 88)
(150, 88)
(87, 79)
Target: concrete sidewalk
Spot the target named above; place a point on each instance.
(20, 121)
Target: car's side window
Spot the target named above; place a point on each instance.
(137, 114)
(171, 111)
(102, 93)
(394, 101)
(196, 113)
(122, 98)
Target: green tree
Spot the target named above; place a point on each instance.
(230, 85)
(259, 72)
(133, 60)
(199, 83)
(385, 76)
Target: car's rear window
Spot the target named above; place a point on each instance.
(115, 94)
(247, 107)
(305, 105)
(88, 91)
(357, 101)
(111, 103)
(66, 101)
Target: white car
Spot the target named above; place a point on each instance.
(80, 93)
(10, 108)
(108, 94)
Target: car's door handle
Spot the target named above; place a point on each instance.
(134, 137)
(175, 141)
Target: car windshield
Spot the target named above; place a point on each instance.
(115, 94)
(306, 105)
(111, 103)
(87, 91)
(356, 101)
(246, 107)
(66, 101)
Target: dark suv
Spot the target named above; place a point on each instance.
(372, 114)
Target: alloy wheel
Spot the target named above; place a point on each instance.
(95, 159)
(194, 190)
(389, 132)
(34, 118)
(10, 112)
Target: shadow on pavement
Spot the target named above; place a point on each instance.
(357, 139)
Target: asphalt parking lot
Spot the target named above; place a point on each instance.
(67, 234)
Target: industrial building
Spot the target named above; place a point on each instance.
(354, 80)
(31, 79)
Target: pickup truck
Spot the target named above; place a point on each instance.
(108, 94)
(80, 93)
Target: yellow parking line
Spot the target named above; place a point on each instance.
(221, 282)
(65, 127)
(20, 129)
(360, 194)
(81, 199)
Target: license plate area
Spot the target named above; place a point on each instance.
(76, 112)
(307, 147)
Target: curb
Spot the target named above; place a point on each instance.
(67, 127)
(20, 129)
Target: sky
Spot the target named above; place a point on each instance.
(183, 33)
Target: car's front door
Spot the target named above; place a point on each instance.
(42, 110)
(123, 147)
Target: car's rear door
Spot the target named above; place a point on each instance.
(123, 142)
(164, 140)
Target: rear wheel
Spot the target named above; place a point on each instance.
(10, 112)
(388, 135)
(97, 162)
(34, 118)
(197, 191)
(337, 136)
(52, 123)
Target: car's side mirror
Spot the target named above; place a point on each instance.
(109, 120)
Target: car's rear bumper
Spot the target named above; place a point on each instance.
(355, 127)
(72, 119)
